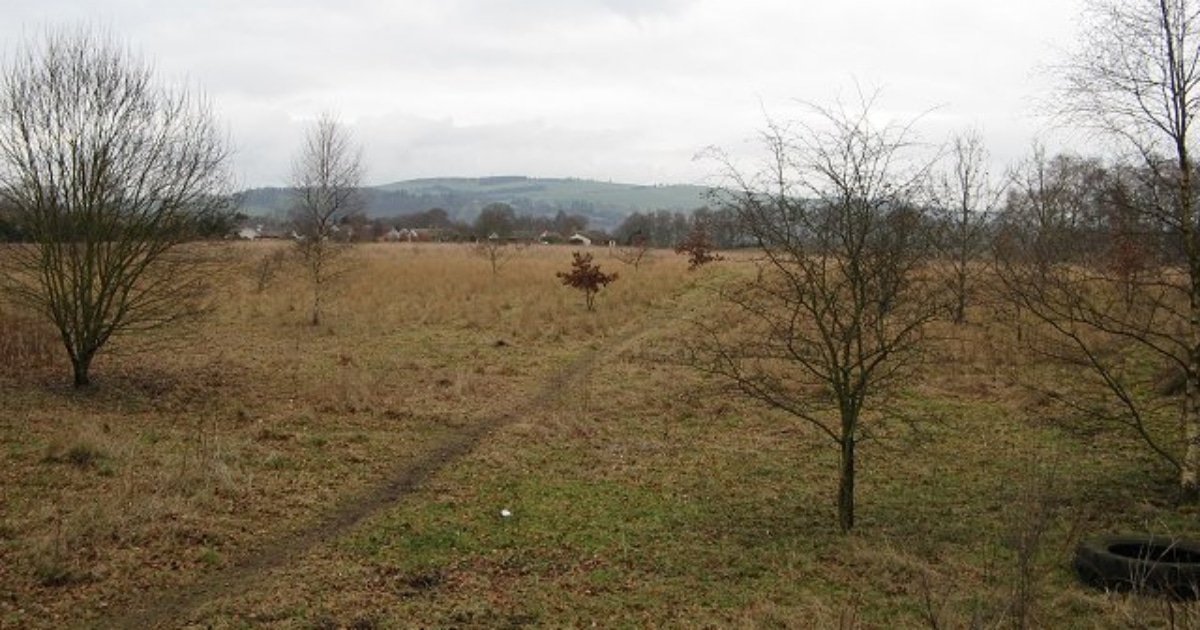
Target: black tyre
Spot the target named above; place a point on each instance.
(1142, 562)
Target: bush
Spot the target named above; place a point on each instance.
(698, 247)
(586, 277)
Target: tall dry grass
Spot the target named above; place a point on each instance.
(253, 420)
(386, 286)
(192, 455)
(26, 342)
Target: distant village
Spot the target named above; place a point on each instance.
(499, 222)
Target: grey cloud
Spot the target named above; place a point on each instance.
(540, 10)
(605, 88)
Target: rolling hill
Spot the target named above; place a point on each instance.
(605, 204)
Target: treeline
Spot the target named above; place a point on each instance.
(208, 225)
(459, 207)
(662, 228)
(1078, 209)
(665, 228)
(499, 220)
(1053, 209)
(1064, 208)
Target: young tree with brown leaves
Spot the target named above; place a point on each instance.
(586, 277)
(698, 247)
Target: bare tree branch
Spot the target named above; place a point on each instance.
(326, 177)
(1133, 78)
(110, 173)
(834, 319)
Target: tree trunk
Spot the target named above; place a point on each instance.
(316, 309)
(1189, 473)
(80, 365)
(846, 484)
(960, 289)
(1189, 481)
(1189, 470)
(960, 304)
(318, 255)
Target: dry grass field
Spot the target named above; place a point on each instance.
(258, 472)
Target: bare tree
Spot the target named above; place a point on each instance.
(326, 177)
(634, 252)
(497, 251)
(1134, 79)
(1055, 202)
(834, 318)
(109, 173)
(1106, 286)
(966, 200)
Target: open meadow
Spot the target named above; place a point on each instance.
(457, 449)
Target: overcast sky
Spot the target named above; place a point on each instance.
(621, 90)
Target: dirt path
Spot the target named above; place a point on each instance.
(166, 610)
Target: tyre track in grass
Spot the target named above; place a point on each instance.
(173, 609)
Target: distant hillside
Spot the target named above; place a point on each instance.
(605, 204)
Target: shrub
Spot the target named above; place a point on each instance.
(586, 277)
(698, 247)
